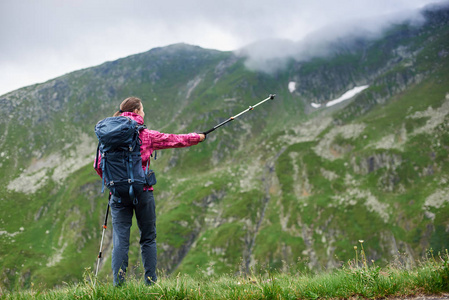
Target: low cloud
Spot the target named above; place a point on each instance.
(47, 38)
(272, 55)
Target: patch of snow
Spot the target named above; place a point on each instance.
(315, 105)
(292, 86)
(348, 95)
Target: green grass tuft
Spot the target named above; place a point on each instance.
(358, 278)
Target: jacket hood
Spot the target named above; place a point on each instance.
(134, 116)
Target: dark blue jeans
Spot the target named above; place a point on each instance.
(122, 209)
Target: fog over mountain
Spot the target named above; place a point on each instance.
(270, 55)
(45, 39)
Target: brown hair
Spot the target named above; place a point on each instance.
(129, 105)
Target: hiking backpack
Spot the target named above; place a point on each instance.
(121, 162)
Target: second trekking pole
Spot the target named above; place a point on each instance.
(105, 225)
(271, 97)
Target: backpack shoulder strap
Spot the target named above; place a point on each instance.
(96, 157)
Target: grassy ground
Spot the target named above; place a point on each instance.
(358, 278)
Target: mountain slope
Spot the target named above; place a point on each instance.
(284, 186)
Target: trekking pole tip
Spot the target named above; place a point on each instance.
(272, 96)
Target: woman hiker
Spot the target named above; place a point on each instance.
(122, 208)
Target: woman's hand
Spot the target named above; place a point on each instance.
(202, 136)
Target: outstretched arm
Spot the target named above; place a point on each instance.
(159, 140)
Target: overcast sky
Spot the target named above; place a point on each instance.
(43, 39)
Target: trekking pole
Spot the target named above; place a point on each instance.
(105, 225)
(271, 97)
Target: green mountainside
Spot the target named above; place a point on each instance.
(284, 186)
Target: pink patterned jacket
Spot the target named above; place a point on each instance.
(154, 140)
